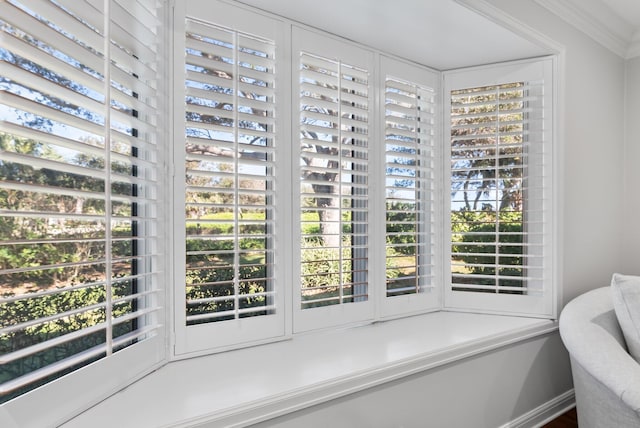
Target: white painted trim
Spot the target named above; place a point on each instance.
(607, 28)
(69, 395)
(634, 48)
(282, 405)
(307, 371)
(544, 413)
(612, 33)
(500, 17)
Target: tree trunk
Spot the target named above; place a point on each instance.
(329, 215)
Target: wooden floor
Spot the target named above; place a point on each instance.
(565, 420)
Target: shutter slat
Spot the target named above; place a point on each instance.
(324, 65)
(45, 137)
(209, 31)
(248, 61)
(52, 164)
(224, 82)
(264, 46)
(205, 94)
(131, 32)
(210, 111)
(215, 67)
(63, 20)
(249, 90)
(317, 91)
(53, 38)
(20, 103)
(35, 55)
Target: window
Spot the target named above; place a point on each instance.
(310, 187)
(500, 186)
(333, 188)
(335, 111)
(411, 165)
(362, 179)
(333, 82)
(79, 189)
(229, 163)
(229, 126)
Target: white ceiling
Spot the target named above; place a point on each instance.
(439, 33)
(444, 34)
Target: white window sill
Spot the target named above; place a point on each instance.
(250, 385)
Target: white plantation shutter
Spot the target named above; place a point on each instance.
(501, 188)
(411, 188)
(335, 110)
(230, 169)
(229, 156)
(79, 184)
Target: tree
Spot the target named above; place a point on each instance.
(487, 152)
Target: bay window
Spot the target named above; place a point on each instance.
(298, 182)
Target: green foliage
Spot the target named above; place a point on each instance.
(474, 242)
(211, 275)
(48, 258)
(32, 261)
(402, 227)
(321, 266)
(38, 307)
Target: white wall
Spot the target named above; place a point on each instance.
(631, 221)
(593, 139)
(491, 390)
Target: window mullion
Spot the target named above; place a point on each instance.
(497, 192)
(236, 178)
(107, 185)
(339, 184)
(416, 220)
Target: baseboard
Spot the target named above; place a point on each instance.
(545, 412)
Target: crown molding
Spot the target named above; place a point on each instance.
(634, 48)
(597, 21)
(500, 17)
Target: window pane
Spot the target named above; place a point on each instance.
(409, 173)
(230, 174)
(489, 153)
(334, 183)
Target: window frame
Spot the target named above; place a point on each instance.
(191, 340)
(545, 304)
(335, 49)
(430, 299)
(57, 399)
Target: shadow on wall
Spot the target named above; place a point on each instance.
(547, 368)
